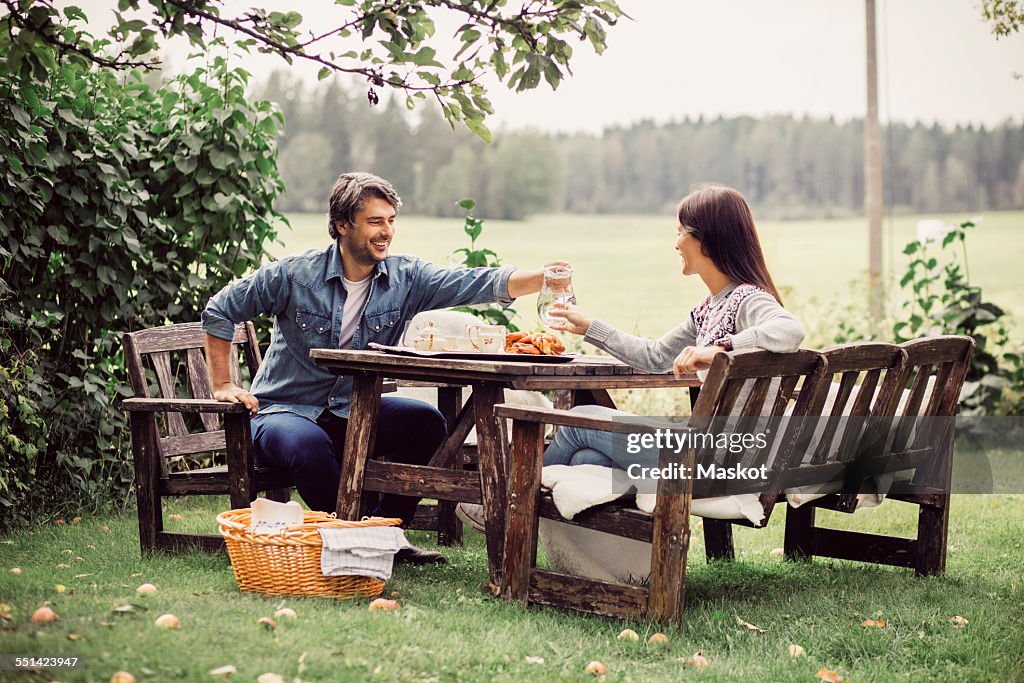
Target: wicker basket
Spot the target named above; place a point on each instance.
(288, 563)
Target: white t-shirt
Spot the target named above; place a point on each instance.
(357, 293)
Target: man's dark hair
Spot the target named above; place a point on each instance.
(349, 194)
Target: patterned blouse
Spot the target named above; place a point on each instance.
(715, 316)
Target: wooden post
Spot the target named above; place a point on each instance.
(449, 528)
(718, 543)
(799, 541)
(671, 541)
(359, 440)
(873, 175)
(241, 469)
(491, 449)
(520, 538)
(147, 478)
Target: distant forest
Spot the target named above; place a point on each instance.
(787, 167)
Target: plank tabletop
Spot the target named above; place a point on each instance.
(614, 372)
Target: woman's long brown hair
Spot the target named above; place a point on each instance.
(720, 219)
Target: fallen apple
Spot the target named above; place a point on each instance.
(383, 605)
(122, 677)
(697, 661)
(146, 589)
(224, 672)
(657, 639)
(595, 668)
(828, 676)
(629, 634)
(286, 612)
(167, 621)
(44, 615)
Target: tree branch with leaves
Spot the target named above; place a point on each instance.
(390, 43)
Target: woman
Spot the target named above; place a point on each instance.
(717, 241)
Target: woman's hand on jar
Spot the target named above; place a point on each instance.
(569, 319)
(694, 358)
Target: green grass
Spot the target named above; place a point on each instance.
(627, 271)
(450, 629)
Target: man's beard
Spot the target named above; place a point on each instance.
(364, 254)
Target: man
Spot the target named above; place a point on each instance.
(345, 296)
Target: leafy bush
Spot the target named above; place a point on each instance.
(121, 207)
(943, 301)
(938, 298)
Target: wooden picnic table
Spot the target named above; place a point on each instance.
(588, 378)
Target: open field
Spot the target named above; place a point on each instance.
(627, 271)
(449, 629)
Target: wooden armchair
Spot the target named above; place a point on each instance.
(739, 384)
(911, 414)
(177, 418)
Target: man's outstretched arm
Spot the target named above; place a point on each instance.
(523, 282)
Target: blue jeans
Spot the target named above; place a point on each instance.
(579, 446)
(408, 431)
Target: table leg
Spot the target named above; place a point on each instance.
(449, 529)
(359, 441)
(492, 451)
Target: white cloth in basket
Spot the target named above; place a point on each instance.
(361, 551)
(269, 516)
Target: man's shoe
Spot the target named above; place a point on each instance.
(413, 555)
(472, 515)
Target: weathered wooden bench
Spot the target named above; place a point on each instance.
(821, 433)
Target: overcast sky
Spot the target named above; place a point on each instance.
(938, 61)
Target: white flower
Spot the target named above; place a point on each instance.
(932, 230)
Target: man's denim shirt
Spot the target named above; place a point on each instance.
(305, 294)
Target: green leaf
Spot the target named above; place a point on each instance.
(186, 165)
(425, 57)
(323, 73)
(500, 66)
(467, 204)
(480, 129)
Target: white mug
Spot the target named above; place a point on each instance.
(488, 338)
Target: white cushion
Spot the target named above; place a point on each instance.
(740, 506)
(594, 554)
(575, 488)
